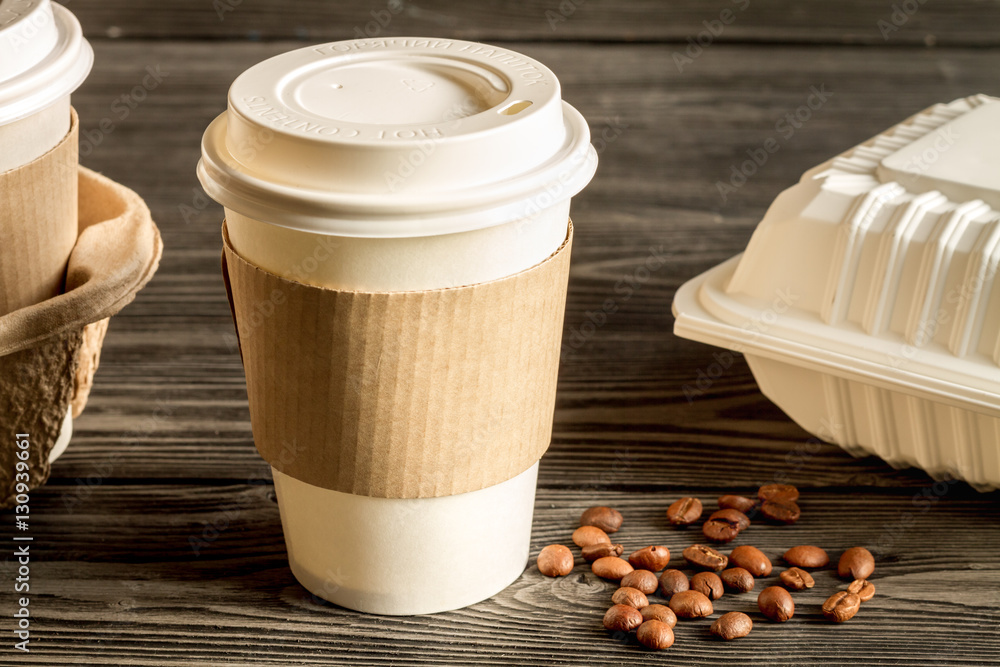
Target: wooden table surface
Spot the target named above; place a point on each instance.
(163, 458)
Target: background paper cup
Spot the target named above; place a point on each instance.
(43, 58)
(399, 165)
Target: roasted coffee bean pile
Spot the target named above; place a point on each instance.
(736, 572)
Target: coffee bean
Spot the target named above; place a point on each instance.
(725, 525)
(771, 491)
(584, 536)
(691, 604)
(739, 503)
(732, 625)
(796, 579)
(841, 606)
(655, 634)
(611, 567)
(807, 556)
(607, 519)
(856, 563)
(780, 510)
(705, 557)
(659, 612)
(775, 603)
(644, 580)
(684, 512)
(708, 584)
(864, 589)
(719, 531)
(594, 551)
(633, 597)
(622, 617)
(750, 559)
(555, 560)
(741, 520)
(738, 579)
(673, 581)
(653, 559)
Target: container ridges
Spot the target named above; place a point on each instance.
(849, 244)
(975, 291)
(934, 264)
(893, 247)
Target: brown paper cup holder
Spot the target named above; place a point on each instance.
(50, 350)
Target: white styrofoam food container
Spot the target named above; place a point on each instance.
(865, 303)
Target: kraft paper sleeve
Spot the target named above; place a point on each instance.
(401, 394)
(38, 224)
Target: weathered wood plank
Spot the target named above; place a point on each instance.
(965, 22)
(169, 401)
(165, 448)
(116, 582)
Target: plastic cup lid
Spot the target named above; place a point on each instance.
(43, 56)
(396, 137)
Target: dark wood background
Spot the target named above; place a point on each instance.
(164, 452)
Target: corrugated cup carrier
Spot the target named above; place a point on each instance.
(75, 247)
(865, 303)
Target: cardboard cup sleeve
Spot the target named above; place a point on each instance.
(50, 349)
(38, 224)
(401, 394)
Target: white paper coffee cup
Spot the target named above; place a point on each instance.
(43, 59)
(398, 165)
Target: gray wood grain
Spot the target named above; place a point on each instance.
(955, 22)
(622, 386)
(165, 444)
(120, 584)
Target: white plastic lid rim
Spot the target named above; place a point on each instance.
(43, 56)
(396, 137)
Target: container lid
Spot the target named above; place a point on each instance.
(880, 264)
(43, 56)
(400, 136)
